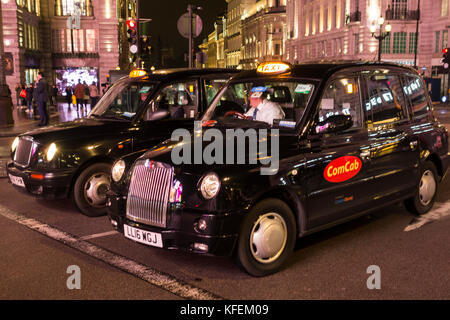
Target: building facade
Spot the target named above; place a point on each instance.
(38, 37)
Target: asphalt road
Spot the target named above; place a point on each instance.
(41, 239)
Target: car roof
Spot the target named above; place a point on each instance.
(176, 73)
(322, 70)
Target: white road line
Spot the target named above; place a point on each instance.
(440, 211)
(150, 275)
(98, 235)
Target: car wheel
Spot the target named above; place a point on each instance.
(89, 191)
(426, 190)
(267, 238)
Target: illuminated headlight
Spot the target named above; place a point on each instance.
(15, 144)
(117, 170)
(51, 151)
(210, 185)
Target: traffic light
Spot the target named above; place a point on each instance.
(132, 35)
(146, 48)
(446, 57)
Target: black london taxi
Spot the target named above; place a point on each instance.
(352, 137)
(73, 159)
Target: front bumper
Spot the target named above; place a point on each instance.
(181, 233)
(53, 185)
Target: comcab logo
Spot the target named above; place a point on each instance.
(342, 169)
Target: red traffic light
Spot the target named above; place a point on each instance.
(131, 23)
(445, 50)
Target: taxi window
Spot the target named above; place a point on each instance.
(341, 97)
(179, 99)
(279, 103)
(386, 101)
(123, 100)
(415, 91)
(212, 87)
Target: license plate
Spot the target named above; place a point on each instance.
(18, 181)
(146, 237)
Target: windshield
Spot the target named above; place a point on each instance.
(123, 99)
(278, 103)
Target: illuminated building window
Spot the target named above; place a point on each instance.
(84, 40)
(436, 42)
(444, 39)
(72, 7)
(386, 45)
(412, 42)
(399, 42)
(444, 8)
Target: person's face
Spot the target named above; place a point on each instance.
(254, 102)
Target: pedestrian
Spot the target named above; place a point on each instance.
(86, 94)
(29, 98)
(93, 94)
(79, 94)
(18, 89)
(41, 97)
(69, 96)
(55, 95)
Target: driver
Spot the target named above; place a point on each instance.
(261, 108)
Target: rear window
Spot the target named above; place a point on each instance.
(415, 92)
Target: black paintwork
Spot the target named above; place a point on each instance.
(86, 141)
(389, 174)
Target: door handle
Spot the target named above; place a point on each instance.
(365, 155)
(413, 145)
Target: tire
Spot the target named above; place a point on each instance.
(426, 190)
(89, 190)
(253, 253)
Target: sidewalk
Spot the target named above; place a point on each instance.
(23, 122)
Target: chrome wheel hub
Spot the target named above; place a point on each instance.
(95, 189)
(268, 238)
(427, 187)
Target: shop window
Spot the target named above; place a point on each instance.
(73, 7)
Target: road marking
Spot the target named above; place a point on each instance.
(143, 272)
(98, 235)
(440, 211)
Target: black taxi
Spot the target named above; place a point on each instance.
(73, 159)
(345, 138)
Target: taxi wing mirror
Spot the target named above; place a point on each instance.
(334, 123)
(159, 115)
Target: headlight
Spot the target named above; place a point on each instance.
(210, 185)
(15, 144)
(51, 151)
(117, 170)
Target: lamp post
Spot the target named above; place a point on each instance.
(381, 35)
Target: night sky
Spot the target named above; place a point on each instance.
(165, 14)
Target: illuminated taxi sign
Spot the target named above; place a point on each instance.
(273, 68)
(138, 73)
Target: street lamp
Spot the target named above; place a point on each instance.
(382, 35)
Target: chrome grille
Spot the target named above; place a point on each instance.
(24, 151)
(148, 195)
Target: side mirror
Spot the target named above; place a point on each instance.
(335, 123)
(159, 115)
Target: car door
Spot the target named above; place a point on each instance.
(393, 147)
(336, 176)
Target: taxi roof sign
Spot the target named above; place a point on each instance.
(273, 67)
(137, 73)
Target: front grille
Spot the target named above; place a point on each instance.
(24, 151)
(148, 195)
